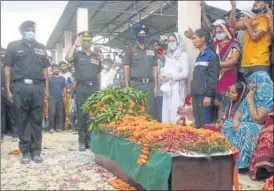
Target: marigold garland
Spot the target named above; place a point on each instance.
(121, 185)
(167, 137)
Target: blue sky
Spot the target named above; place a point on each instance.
(47, 13)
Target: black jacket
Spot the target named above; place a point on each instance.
(205, 74)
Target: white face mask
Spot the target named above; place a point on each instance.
(221, 36)
(172, 45)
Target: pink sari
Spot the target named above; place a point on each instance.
(228, 76)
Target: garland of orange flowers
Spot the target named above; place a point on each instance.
(121, 185)
(139, 129)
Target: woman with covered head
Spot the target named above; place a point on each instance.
(250, 117)
(228, 50)
(236, 94)
(174, 75)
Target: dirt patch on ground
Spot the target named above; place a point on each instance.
(64, 168)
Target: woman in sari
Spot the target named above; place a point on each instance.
(262, 160)
(229, 51)
(249, 119)
(236, 93)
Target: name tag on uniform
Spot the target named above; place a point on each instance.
(150, 53)
(94, 61)
(39, 51)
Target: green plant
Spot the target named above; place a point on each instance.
(113, 103)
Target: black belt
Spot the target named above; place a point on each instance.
(142, 80)
(30, 81)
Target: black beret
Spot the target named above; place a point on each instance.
(86, 35)
(27, 24)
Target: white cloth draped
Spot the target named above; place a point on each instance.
(174, 89)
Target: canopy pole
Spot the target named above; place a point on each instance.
(189, 15)
(82, 20)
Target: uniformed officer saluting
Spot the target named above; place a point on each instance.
(26, 73)
(87, 81)
(140, 65)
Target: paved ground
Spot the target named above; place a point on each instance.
(64, 168)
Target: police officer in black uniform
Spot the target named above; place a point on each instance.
(7, 109)
(87, 75)
(26, 74)
(140, 65)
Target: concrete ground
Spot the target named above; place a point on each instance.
(64, 168)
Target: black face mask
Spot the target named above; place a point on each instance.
(257, 11)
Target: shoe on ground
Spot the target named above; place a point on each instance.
(2, 139)
(87, 145)
(14, 139)
(37, 159)
(51, 131)
(58, 130)
(82, 147)
(25, 158)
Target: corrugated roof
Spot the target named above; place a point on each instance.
(113, 19)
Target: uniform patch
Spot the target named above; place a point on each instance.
(94, 61)
(150, 53)
(39, 51)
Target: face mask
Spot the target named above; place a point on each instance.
(172, 45)
(140, 39)
(86, 44)
(221, 36)
(257, 11)
(29, 35)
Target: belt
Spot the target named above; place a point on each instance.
(30, 81)
(87, 83)
(142, 80)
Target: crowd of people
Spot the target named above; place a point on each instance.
(231, 89)
(241, 105)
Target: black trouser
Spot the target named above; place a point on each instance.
(157, 105)
(56, 113)
(29, 104)
(7, 112)
(202, 115)
(146, 87)
(82, 93)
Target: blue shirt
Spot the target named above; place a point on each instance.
(56, 86)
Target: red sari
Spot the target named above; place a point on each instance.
(228, 76)
(262, 157)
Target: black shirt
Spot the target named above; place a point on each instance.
(140, 61)
(86, 67)
(27, 61)
(56, 86)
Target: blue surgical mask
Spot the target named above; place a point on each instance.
(140, 39)
(29, 35)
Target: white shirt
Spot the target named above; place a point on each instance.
(67, 75)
